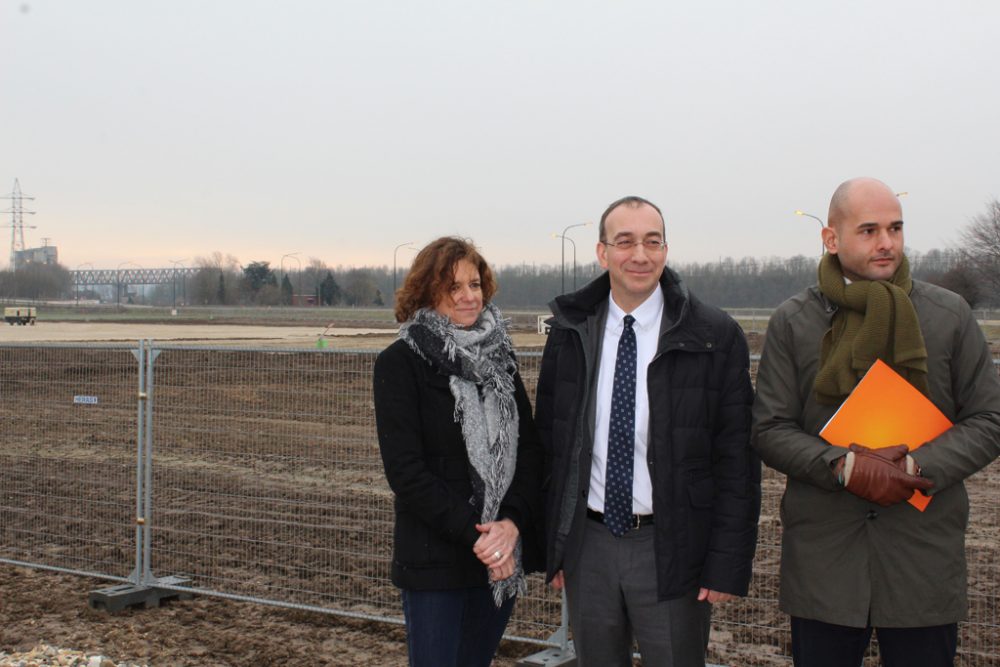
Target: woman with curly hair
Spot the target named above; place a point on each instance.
(461, 455)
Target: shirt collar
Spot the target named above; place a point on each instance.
(646, 315)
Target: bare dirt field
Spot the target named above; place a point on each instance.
(264, 468)
(64, 332)
(38, 607)
(223, 334)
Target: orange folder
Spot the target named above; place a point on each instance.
(886, 410)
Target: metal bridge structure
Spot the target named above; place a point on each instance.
(122, 277)
(130, 276)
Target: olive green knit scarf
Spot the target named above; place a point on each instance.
(875, 320)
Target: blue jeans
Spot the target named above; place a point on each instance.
(454, 628)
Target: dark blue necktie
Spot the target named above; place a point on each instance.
(621, 437)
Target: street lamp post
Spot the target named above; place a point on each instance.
(822, 246)
(562, 263)
(394, 251)
(173, 280)
(566, 238)
(285, 275)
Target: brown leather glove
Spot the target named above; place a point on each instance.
(896, 454)
(879, 475)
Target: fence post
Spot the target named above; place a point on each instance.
(564, 655)
(136, 576)
(147, 574)
(144, 589)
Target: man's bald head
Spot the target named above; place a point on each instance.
(846, 195)
(865, 229)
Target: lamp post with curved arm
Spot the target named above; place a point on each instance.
(562, 263)
(173, 278)
(564, 239)
(394, 251)
(822, 248)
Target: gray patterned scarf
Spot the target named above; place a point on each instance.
(480, 363)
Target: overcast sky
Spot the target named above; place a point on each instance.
(157, 131)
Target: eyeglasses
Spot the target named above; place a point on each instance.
(652, 245)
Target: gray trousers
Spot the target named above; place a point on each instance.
(611, 592)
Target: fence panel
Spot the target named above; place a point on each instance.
(266, 477)
(68, 419)
(268, 485)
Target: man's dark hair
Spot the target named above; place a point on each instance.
(632, 201)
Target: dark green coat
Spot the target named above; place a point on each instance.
(847, 561)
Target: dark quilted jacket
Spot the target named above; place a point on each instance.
(706, 478)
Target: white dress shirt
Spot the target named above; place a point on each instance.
(647, 333)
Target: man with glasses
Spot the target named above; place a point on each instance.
(653, 495)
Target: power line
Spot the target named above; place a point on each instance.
(17, 225)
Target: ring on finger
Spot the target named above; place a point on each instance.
(497, 554)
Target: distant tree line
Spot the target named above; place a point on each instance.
(36, 282)
(756, 283)
(222, 280)
(972, 269)
(744, 283)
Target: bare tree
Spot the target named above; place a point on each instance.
(216, 279)
(980, 247)
(359, 287)
(962, 281)
(312, 276)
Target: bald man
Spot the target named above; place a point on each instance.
(856, 557)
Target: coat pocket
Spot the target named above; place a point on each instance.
(415, 545)
(701, 493)
(456, 473)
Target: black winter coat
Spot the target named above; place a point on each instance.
(706, 478)
(428, 469)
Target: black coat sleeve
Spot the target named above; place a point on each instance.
(736, 473)
(419, 490)
(544, 399)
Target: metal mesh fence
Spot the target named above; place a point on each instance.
(752, 631)
(267, 479)
(979, 636)
(68, 458)
(267, 485)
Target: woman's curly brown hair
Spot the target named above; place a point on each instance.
(433, 271)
